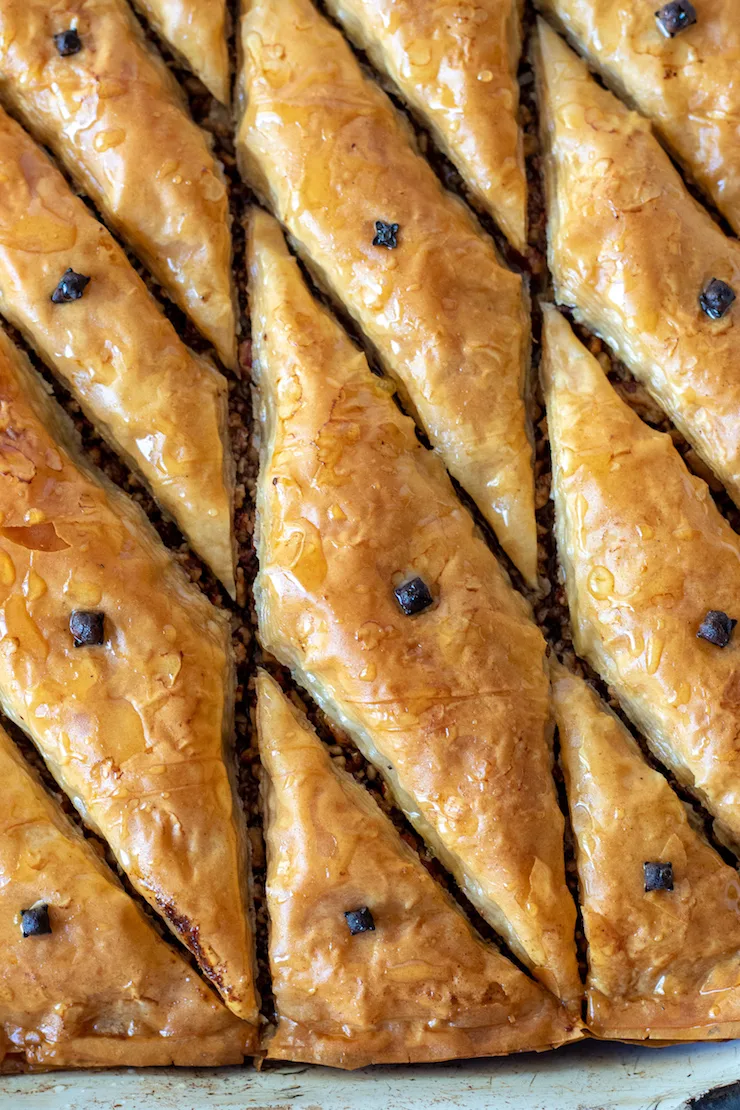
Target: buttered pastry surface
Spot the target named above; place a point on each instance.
(324, 737)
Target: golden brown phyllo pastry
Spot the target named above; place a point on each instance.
(652, 573)
(679, 73)
(85, 981)
(376, 590)
(121, 673)
(196, 31)
(643, 265)
(112, 113)
(326, 149)
(371, 961)
(659, 904)
(456, 67)
(160, 405)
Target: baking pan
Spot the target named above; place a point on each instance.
(590, 1076)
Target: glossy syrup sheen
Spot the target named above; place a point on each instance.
(632, 251)
(158, 403)
(456, 65)
(116, 119)
(328, 151)
(646, 554)
(136, 730)
(451, 705)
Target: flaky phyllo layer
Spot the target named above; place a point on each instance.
(415, 900)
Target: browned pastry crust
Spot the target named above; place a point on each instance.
(456, 66)
(646, 555)
(686, 84)
(452, 704)
(102, 989)
(196, 31)
(421, 986)
(136, 730)
(632, 251)
(327, 149)
(160, 405)
(662, 964)
(113, 114)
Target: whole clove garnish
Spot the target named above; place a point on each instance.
(716, 628)
(360, 921)
(413, 596)
(70, 288)
(68, 42)
(35, 920)
(385, 235)
(675, 17)
(716, 299)
(658, 876)
(87, 627)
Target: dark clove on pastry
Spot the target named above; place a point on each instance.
(68, 42)
(658, 876)
(413, 596)
(87, 627)
(675, 17)
(70, 288)
(385, 235)
(35, 921)
(716, 298)
(717, 628)
(360, 921)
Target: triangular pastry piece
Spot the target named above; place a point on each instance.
(652, 573)
(376, 590)
(92, 984)
(160, 405)
(457, 69)
(643, 265)
(685, 82)
(659, 904)
(196, 31)
(84, 81)
(406, 979)
(121, 673)
(328, 151)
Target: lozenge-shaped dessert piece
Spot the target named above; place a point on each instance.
(85, 980)
(376, 590)
(677, 64)
(328, 152)
(640, 262)
(371, 960)
(196, 32)
(112, 113)
(652, 575)
(69, 288)
(456, 67)
(121, 673)
(660, 907)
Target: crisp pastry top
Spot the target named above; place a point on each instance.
(456, 66)
(638, 257)
(660, 907)
(121, 673)
(196, 31)
(113, 114)
(161, 406)
(101, 988)
(451, 704)
(406, 978)
(328, 151)
(651, 567)
(686, 83)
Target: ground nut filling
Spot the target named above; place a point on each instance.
(549, 601)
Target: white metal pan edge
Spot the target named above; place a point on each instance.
(590, 1076)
